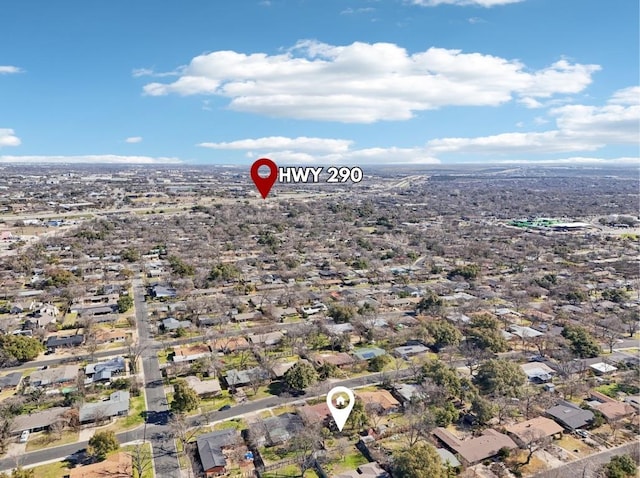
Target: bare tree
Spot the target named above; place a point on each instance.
(135, 349)
(141, 459)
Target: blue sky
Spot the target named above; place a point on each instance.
(320, 81)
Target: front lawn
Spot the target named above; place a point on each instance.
(52, 470)
(42, 440)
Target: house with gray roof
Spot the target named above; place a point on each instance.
(239, 378)
(171, 324)
(10, 381)
(117, 405)
(54, 376)
(211, 447)
(37, 421)
(277, 430)
(368, 353)
(103, 371)
(570, 415)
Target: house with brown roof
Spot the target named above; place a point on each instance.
(191, 353)
(204, 388)
(339, 359)
(312, 414)
(476, 449)
(612, 410)
(382, 399)
(540, 427)
(230, 344)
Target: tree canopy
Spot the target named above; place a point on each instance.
(581, 342)
(621, 466)
(341, 313)
(444, 333)
(102, 443)
(430, 302)
(301, 376)
(484, 332)
(20, 347)
(500, 377)
(419, 461)
(185, 398)
(124, 303)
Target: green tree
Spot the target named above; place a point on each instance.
(483, 409)
(358, 418)
(443, 376)
(500, 377)
(185, 399)
(615, 295)
(377, 364)
(328, 370)
(224, 272)
(20, 347)
(130, 254)
(581, 342)
(430, 303)
(445, 415)
(484, 332)
(444, 333)
(419, 461)
(102, 443)
(301, 376)
(621, 466)
(179, 267)
(124, 303)
(469, 271)
(60, 278)
(341, 313)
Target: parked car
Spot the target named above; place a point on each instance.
(24, 436)
(224, 407)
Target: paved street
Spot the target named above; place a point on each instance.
(165, 456)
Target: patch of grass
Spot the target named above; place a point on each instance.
(612, 389)
(236, 423)
(571, 444)
(182, 456)
(163, 356)
(44, 440)
(284, 409)
(214, 404)
(289, 471)
(52, 470)
(146, 455)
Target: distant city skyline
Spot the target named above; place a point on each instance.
(350, 82)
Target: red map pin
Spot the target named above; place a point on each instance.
(264, 185)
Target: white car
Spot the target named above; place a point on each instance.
(24, 436)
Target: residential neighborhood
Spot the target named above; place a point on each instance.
(482, 347)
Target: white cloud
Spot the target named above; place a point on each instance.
(579, 128)
(476, 20)
(480, 3)
(8, 69)
(301, 143)
(351, 11)
(626, 96)
(365, 83)
(133, 139)
(90, 158)
(574, 160)
(140, 72)
(322, 151)
(8, 138)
